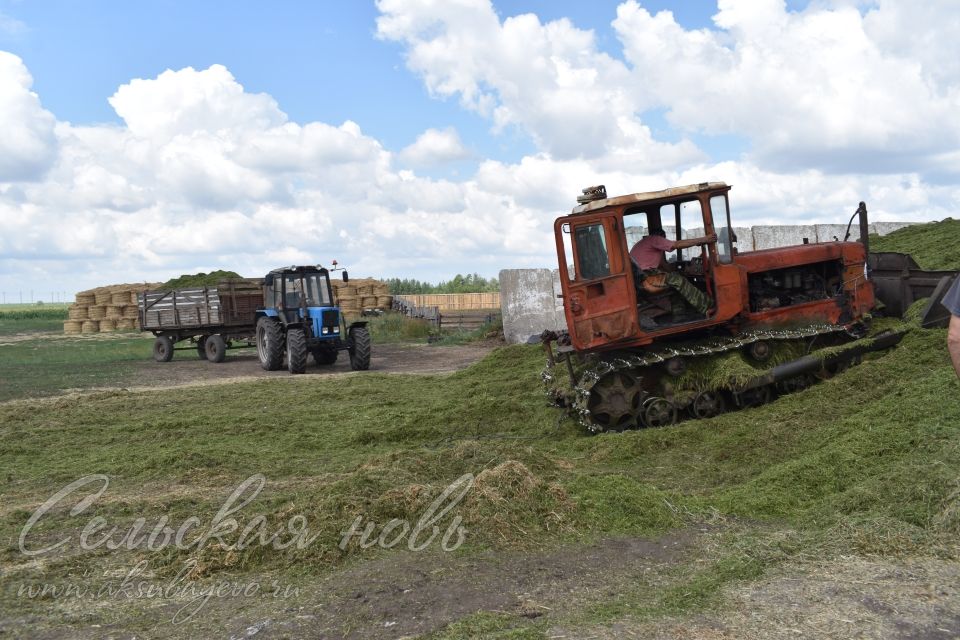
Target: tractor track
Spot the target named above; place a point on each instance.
(634, 365)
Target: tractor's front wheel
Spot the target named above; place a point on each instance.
(296, 350)
(269, 343)
(360, 349)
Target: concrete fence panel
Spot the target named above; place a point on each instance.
(528, 303)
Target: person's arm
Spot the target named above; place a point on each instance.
(953, 342)
(694, 242)
(951, 300)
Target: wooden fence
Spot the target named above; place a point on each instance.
(453, 301)
(459, 319)
(467, 320)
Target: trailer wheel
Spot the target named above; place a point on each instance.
(201, 347)
(296, 350)
(323, 356)
(215, 348)
(163, 349)
(269, 344)
(359, 349)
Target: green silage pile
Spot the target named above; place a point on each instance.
(189, 281)
(934, 245)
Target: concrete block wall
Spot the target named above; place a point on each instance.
(528, 297)
(529, 303)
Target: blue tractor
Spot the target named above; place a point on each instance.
(299, 317)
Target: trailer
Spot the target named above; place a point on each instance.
(211, 319)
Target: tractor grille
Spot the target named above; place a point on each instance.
(330, 318)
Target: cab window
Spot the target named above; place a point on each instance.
(593, 260)
(721, 222)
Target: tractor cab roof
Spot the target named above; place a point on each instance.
(596, 197)
(284, 271)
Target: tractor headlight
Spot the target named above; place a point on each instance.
(336, 329)
(325, 330)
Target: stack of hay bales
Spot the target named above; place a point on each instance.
(105, 309)
(362, 294)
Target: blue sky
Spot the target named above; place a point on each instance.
(319, 60)
(419, 138)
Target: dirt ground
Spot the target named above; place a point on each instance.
(849, 597)
(404, 595)
(186, 368)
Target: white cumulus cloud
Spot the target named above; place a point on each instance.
(27, 145)
(435, 147)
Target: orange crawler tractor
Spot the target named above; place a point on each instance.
(708, 328)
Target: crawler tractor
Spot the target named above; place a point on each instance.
(637, 355)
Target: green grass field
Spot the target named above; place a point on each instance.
(865, 463)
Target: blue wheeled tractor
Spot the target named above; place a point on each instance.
(299, 317)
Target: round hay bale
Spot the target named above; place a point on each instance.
(120, 298)
(107, 325)
(72, 326)
(125, 324)
(77, 312)
(384, 302)
(368, 302)
(85, 299)
(114, 312)
(90, 326)
(97, 312)
(102, 297)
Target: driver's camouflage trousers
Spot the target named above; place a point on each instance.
(694, 297)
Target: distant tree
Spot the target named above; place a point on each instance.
(470, 283)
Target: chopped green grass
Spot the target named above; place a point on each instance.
(201, 279)
(935, 245)
(866, 462)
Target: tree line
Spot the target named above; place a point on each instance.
(469, 283)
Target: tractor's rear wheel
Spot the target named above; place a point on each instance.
(296, 350)
(323, 356)
(201, 347)
(269, 343)
(216, 348)
(163, 349)
(360, 349)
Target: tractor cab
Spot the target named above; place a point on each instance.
(302, 296)
(620, 282)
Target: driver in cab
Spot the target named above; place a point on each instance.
(649, 256)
